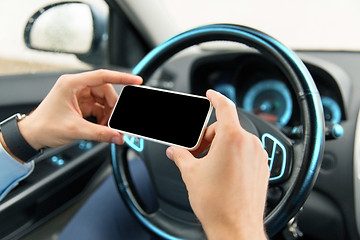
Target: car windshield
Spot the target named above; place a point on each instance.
(301, 25)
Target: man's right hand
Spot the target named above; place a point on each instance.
(227, 188)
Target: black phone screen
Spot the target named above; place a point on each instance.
(170, 117)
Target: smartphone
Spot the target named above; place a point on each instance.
(163, 116)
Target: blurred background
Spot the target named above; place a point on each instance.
(15, 57)
(301, 25)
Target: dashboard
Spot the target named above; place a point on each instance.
(256, 85)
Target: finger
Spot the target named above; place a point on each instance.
(206, 140)
(179, 155)
(107, 113)
(96, 132)
(99, 112)
(99, 77)
(105, 95)
(102, 114)
(225, 109)
(111, 98)
(210, 132)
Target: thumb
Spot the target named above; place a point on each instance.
(179, 155)
(100, 133)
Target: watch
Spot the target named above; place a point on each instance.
(15, 141)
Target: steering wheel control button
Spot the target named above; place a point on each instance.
(135, 143)
(268, 146)
(277, 156)
(277, 163)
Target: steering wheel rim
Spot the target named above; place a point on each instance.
(307, 95)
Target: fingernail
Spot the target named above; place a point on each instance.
(140, 79)
(210, 91)
(169, 153)
(117, 140)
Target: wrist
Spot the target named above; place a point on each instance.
(236, 231)
(29, 132)
(240, 235)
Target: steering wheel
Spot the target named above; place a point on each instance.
(294, 163)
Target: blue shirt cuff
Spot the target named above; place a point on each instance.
(12, 172)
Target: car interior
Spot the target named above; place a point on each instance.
(300, 99)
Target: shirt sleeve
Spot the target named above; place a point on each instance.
(12, 172)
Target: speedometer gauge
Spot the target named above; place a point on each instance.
(332, 111)
(270, 100)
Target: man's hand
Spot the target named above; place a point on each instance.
(59, 119)
(227, 188)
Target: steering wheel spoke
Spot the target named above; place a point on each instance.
(278, 146)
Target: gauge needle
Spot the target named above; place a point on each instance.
(266, 116)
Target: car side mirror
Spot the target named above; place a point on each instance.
(69, 27)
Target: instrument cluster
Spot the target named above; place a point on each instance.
(256, 85)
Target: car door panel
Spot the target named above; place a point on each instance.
(61, 174)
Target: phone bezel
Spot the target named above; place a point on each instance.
(157, 140)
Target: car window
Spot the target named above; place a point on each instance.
(16, 57)
(301, 25)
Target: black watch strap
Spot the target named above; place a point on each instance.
(16, 142)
